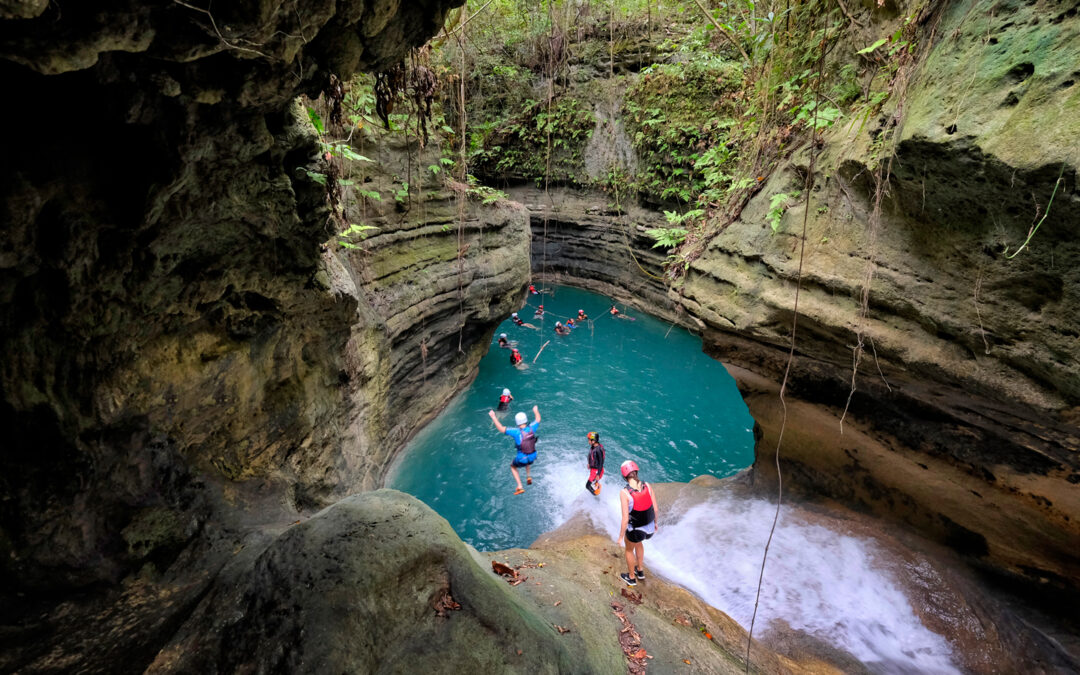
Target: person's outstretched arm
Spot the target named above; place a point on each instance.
(536, 413)
(496, 422)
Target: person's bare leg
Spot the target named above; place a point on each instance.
(630, 546)
(639, 553)
(517, 477)
(528, 474)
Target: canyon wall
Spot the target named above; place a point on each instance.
(962, 420)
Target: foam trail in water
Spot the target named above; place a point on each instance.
(816, 580)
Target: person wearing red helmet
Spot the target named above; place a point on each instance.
(596, 463)
(539, 313)
(639, 509)
(515, 356)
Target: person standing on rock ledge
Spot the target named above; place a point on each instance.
(596, 463)
(638, 521)
(524, 440)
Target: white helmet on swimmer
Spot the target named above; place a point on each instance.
(558, 323)
(506, 392)
(521, 418)
(581, 311)
(514, 315)
(502, 335)
(628, 467)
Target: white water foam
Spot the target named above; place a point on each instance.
(817, 580)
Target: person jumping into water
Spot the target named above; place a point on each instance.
(504, 400)
(638, 521)
(596, 463)
(524, 440)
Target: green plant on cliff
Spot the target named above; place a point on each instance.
(778, 206)
(354, 232)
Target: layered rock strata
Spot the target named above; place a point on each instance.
(962, 420)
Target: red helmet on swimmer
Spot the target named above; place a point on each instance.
(628, 467)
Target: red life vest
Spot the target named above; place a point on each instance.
(640, 500)
(504, 399)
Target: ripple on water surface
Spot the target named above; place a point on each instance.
(645, 386)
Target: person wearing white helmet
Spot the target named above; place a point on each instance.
(524, 440)
(518, 322)
(561, 329)
(503, 342)
(504, 400)
(639, 509)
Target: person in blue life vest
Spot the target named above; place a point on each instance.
(570, 324)
(596, 463)
(504, 400)
(639, 509)
(524, 440)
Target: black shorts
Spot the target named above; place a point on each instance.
(634, 536)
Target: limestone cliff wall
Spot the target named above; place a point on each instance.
(963, 416)
(170, 321)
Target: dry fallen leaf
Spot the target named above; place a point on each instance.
(640, 654)
(502, 569)
(686, 662)
(561, 629)
(558, 603)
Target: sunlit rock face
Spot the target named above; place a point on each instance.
(166, 324)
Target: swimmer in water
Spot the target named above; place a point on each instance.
(582, 316)
(524, 440)
(504, 400)
(503, 342)
(561, 329)
(532, 290)
(596, 463)
(515, 356)
(539, 313)
(518, 322)
(639, 509)
(570, 324)
(614, 311)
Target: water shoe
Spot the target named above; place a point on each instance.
(639, 573)
(630, 581)
(528, 481)
(519, 491)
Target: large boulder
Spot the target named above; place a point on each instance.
(376, 583)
